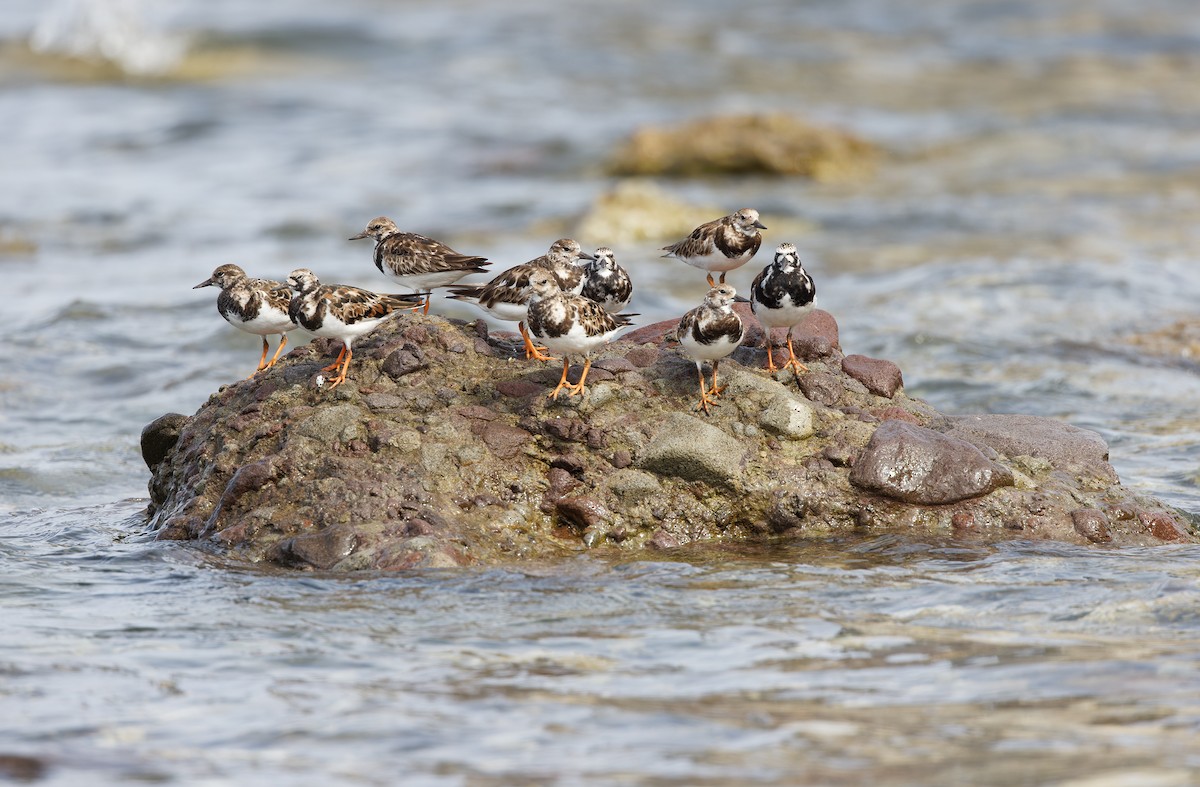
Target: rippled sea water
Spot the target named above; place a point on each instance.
(1037, 208)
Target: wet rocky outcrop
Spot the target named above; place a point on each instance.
(767, 144)
(442, 449)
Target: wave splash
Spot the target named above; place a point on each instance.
(112, 31)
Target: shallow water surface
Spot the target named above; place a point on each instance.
(821, 662)
(1036, 208)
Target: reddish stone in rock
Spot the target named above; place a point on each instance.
(921, 466)
(642, 356)
(963, 521)
(1092, 524)
(822, 388)
(1162, 525)
(882, 378)
(518, 388)
(662, 540)
(894, 413)
(505, 441)
(478, 412)
(653, 333)
(583, 512)
(816, 336)
(561, 481)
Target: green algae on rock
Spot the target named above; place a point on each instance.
(461, 459)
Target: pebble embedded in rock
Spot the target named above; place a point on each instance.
(882, 378)
(1092, 524)
(686, 447)
(918, 465)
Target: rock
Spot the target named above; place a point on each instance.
(636, 211)
(742, 145)
(505, 441)
(1092, 525)
(1065, 447)
(444, 467)
(406, 360)
(686, 447)
(918, 465)
(584, 512)
(339, 422)
(159, 437)
(631, 486)
(881, 377)
(320, 550)
(816, 336)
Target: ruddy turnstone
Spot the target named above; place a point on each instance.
(569, 324)
(709, 332)
(341, 312)
(415, 261)
(258, 306)
(606, 282)
(780, 297)
(721, 245)
(506, 297)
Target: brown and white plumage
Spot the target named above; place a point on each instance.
(416, 261)
(258, 306)
(569, 324)
(781, 294)
(721, 245)
(710, 332)
(341, 312)
(506, 297)
(606, 282)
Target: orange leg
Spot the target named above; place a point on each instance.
(771, 367)
(275, 357)
(793, 361)
(577, 388)
(336, 363)
(531, 349)
(418, 308)
(341, 377)
(723, 276)
(705, 401)
(262, 362)
(712, 283)
(562, 381)
(715, 391)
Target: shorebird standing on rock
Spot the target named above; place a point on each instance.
(342, 312)
(780, 296)
(506, 297)
(258, 306)
(710, 332)
(569, 324)
(415, 261)
(721, 245)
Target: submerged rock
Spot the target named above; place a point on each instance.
(442, 449)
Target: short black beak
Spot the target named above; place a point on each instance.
(740, 299)
(586, 255)
(360, 236)
(206, 283)
(760, 225)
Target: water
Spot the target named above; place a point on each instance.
(1037, 208)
